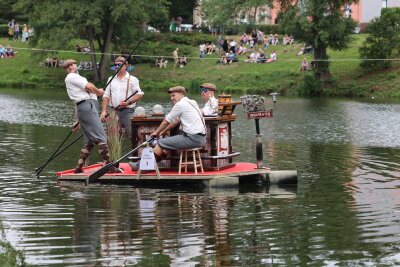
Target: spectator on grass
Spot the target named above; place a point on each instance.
(232, 45)
(304, 65)
(178, 23)
(210, 48)
(272, 57)
(262, 59)
(183, 61)
(260, 38)
(202, 48)
(54, 62)
(231, 57)
(176, 57)
(243, 39)
(11, 25)
(251, 43)
(16, 31)
(254, 37)
(31, 32)
(9, 51)
(48, 62)
(225, 46)
(2, 51)
(275, 41)
(242, 49)
(24, 33)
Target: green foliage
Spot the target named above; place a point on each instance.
(239, 29)
(223, 13)
(192, 38)
(310, 86)
(9, 256)
(311, 23)
(384, 39)
(3, 30)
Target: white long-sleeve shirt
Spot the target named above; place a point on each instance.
(118, 90)
(189, 113)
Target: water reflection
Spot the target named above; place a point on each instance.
(345, 210)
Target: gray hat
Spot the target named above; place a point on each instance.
(68, 63)
(177, 89)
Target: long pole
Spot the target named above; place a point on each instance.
(259, 149)
(40, 169)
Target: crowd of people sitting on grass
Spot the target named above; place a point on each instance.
(6, 52)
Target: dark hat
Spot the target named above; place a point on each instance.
(177, 89)
(209, 86)
(68, 63)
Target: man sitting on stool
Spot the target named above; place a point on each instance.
(186, 112)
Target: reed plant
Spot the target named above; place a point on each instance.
(114, 136)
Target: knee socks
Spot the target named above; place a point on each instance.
(104, 153)
(85, 151)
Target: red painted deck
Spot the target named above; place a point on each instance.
(240, 169)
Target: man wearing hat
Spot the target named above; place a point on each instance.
(207, 94)
(84, 94)
(188, 113)
(118, 91)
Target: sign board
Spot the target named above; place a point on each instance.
(260, 114)
(147, 161)
(223, 139)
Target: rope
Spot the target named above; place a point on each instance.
(198, 58)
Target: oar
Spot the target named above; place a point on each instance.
(56, 155)
(103, 170)
(58, 148)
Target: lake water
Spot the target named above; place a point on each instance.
(345, 211)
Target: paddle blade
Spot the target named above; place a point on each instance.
(100, 172)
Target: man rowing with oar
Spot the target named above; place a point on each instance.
(84, 94)
(117, 92)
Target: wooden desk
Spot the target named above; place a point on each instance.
(217, 154)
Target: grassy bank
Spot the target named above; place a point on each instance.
(282, 76)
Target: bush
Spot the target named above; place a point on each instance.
(3, 30)
(310, 86)
(239, 29)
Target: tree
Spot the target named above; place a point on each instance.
(221, 13)
(319, 23)
(383, 41)
(101, 22)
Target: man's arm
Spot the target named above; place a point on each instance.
(164, 124)
(170, 126)
(91, 88)
(104, 106)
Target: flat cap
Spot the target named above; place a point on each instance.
(121, 59)
(68, 63)
(209, 86)
(177, 89)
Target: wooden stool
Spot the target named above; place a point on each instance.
(196, 160)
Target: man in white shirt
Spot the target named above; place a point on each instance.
(120, 88)
(186, 112)
(84, 94)
(207, 94)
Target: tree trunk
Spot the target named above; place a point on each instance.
(255, 15)
(322, 72)
(106, 50)
(93, 56)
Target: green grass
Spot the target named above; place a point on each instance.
(282, 76)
